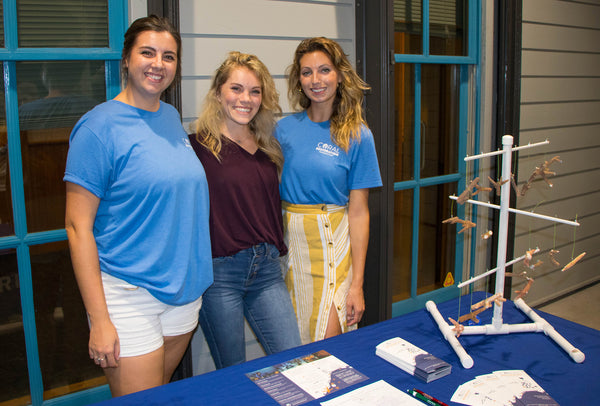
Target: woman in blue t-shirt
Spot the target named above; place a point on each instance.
(137, 218)
(330, 164)
(234, 141)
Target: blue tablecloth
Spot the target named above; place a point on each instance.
(568, 382)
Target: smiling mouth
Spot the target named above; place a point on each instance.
(243, 109)
(154, 76)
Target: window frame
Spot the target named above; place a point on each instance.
(466, 63)
(10, 54)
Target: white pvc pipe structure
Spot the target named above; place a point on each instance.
(497, 326)
(491, 271)
(517, 211)
(507, 141)
(547, 328)
(486, 154)
(465, 359)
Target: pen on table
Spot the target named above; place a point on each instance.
(422, 398)
(436, 402)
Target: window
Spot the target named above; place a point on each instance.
(60, 58)
(435, 52)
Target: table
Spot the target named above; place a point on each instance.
(568, 382)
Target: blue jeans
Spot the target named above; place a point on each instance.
(248, 284)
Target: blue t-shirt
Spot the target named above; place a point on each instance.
(316, 170)
(151, 227)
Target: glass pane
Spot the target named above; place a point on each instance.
(1, 25)
(61, 323)
(404, 78)
(62, 23)
(436, 240)
(408, 27)
(403, 213)
(439, 119)
(14, 379)
(448, 27)
(62, 92)
(6, 214)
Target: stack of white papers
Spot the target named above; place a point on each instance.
(511, 388)
(412, 359)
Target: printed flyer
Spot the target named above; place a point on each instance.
(306, 378)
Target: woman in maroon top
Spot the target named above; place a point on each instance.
(242, 160)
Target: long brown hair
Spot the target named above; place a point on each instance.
(346, 119)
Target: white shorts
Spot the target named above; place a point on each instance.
(142, 320)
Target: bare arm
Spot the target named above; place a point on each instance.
(358, 222)
(81, 210)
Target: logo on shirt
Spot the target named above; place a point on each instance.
(328, 149)
(187, 142)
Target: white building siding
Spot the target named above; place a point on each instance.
(270, 29)
(560, 102)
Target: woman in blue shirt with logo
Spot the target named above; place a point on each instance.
(329, 165)
(137, 218)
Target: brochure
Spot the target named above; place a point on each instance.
(306, 378)
(412, 359)
(510, 388)
(379, 393)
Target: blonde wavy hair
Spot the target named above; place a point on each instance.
(208, 125)
(347, 117)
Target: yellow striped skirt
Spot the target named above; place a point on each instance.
(318, 266)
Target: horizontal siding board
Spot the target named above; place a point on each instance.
(559, 114)
(543, 63)
(556, 38)
(562, 12)
(586, 209)
(563, 138)
(550, 282)
(267, 18)
(260, 27)
(560, 95)
(535, 90)
(578, 187)
(549, 278)
(201, 56)
(559, 284)
(347, 2)
(192, 98)
(559, 237)
(575, 160)
(531, 233)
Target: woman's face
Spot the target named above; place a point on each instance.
(152, 64)
(240, 97)
(318, 78)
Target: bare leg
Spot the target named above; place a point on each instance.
(333, 324)
(136, 373)
(175, 347)
(149, 370)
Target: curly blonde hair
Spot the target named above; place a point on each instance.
(208, 125)
(347, 118)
